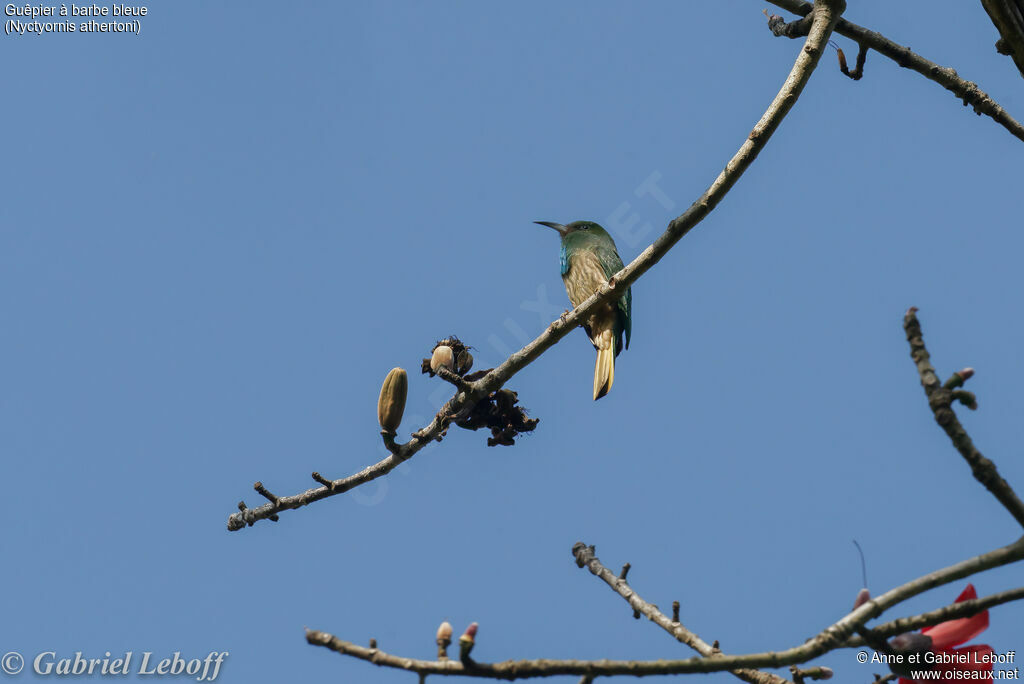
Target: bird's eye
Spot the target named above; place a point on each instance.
(584, 227)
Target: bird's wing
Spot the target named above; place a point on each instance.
(625, 313)
(612, 263)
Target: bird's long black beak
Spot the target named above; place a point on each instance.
(550, 224)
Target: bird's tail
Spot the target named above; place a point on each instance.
(604, 369)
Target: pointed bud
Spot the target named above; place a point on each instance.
(444, 631)
(842, 61)
(444, 639)
(442, 356)
(863, 596)
(825, 673)
(467, 641)
(391, 404)
(966, 373)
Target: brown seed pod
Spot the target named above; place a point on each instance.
(442, 356)
(391, 404)
(461, 360)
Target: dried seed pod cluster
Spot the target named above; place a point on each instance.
(450, 353)
(500, 413)
(497, 411)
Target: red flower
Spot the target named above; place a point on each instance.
(940, 655)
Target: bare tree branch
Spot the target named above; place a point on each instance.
(940, 400)
(1008, 16)
(585, 557)
(965, 90)
(837, 635)
(826, 15)
(801, 675)
(950, 612)
(817, 24)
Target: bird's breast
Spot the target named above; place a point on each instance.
(584, 276)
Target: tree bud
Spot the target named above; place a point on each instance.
(444, 639)
(467, 640)
(391, 404)
(444, 632)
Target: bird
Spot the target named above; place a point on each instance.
(588, 260)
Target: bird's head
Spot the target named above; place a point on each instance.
(583, 227)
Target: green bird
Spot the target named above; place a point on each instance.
(589, 259)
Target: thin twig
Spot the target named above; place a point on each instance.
(453, 377)
(835, 636)
(321, 479)
(264, 493)
(792, 29)
(940, 400)
(875, 641)
(966, 91)
(801, 675)
(858, 69)
(825, 19)
(951, 612)
(585, 557)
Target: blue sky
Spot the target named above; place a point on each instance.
(219, 235)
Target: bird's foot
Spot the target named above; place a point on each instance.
(560, 322)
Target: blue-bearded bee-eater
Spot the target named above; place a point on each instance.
(589, 259)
